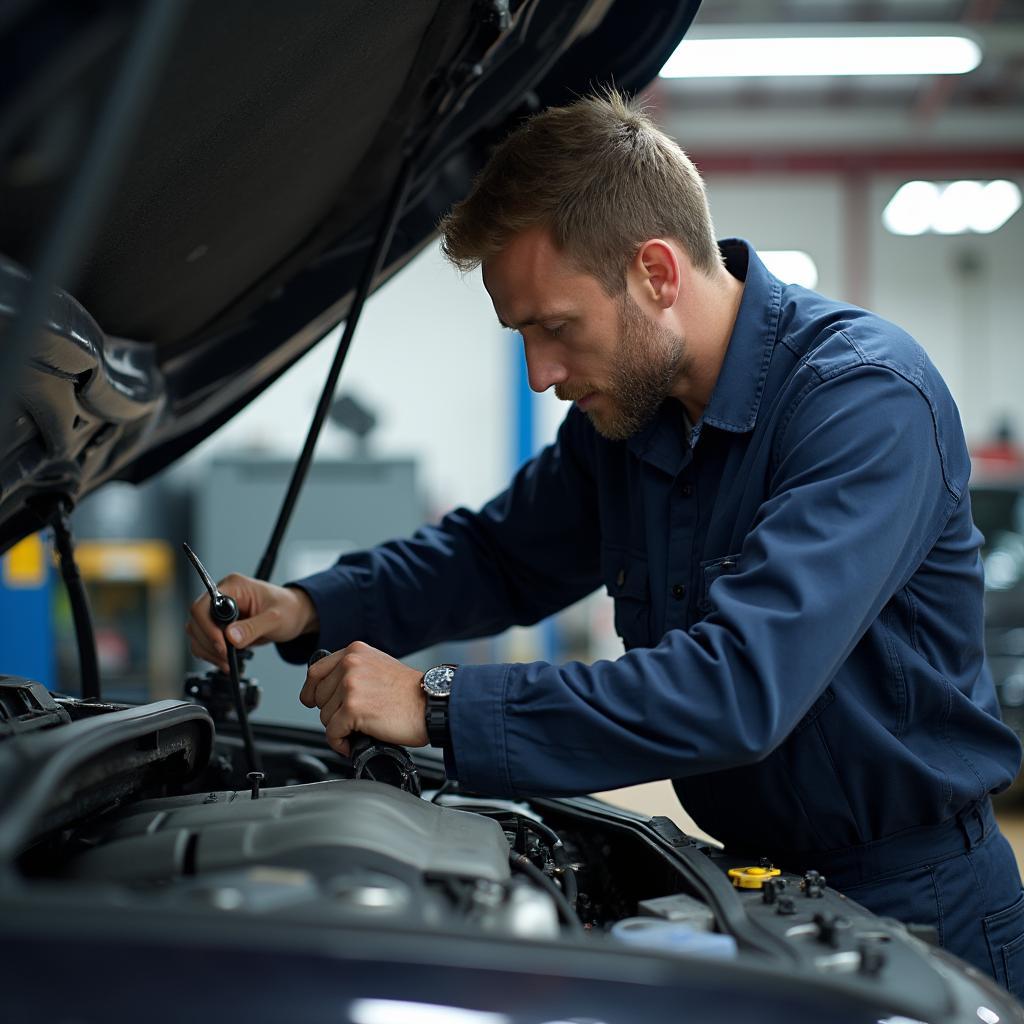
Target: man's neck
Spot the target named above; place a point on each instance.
(712, 305)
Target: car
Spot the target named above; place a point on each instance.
(192, 195)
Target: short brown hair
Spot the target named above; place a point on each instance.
(601, 177)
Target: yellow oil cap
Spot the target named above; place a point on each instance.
(752, 878)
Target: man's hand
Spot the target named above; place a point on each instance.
(266, 613)
(361, 689)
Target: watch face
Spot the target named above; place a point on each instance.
(438, 680)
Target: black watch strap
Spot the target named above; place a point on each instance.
(437, 721)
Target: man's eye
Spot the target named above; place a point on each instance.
(555, 329)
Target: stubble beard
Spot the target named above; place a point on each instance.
(649, 360)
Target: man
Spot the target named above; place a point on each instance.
(773, 488)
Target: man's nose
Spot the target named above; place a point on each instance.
(543, 367)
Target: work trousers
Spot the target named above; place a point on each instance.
(961, 878)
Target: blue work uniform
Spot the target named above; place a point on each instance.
(798, 587)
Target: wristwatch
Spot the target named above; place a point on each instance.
(437, 685)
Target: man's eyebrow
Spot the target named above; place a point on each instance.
(535, 319)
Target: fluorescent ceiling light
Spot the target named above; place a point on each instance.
(791, 265)
(823, 56)
(397, 1011)
(951, 208)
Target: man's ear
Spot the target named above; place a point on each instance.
(656, 271)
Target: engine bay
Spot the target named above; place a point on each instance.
(151, 807)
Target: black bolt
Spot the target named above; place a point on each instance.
(255, 778)
(872, 958)
(787, 905)
(765, 862)
(769, 891)
(828, 929)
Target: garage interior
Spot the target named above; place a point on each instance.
(807, 168)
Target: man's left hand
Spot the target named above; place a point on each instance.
(361, 689)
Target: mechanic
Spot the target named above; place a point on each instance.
(773, 488)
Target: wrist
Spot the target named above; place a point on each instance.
(306, 615)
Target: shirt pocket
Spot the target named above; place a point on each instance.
(712, 570)
(627, 580)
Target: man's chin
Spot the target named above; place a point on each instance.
(615, 426)
(611, 427)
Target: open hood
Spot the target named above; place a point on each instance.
(249, 196)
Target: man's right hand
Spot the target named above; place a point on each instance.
(266, 614)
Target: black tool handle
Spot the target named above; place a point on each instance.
(373, 759)
(224, 611)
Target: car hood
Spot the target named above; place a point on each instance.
(249, 197)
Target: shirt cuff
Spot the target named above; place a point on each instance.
(476, 719)
(335, 596)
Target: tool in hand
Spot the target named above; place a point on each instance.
(373, 759)
(224, 611)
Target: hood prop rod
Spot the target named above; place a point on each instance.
(371, 269)
(88, 663)
(495, 20)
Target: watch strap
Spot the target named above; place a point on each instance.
(438, 733)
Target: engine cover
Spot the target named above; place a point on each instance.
(325, 828)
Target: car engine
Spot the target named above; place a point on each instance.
(109, 810)
(342, 849)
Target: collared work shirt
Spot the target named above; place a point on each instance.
(796, 581)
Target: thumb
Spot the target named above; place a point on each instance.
(253, 630)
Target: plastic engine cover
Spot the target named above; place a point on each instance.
(319, 827)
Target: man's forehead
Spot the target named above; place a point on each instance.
(530, 280)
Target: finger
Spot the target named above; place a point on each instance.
(327, 688)
(314, 674)
(203, 622)
(202, 649)
(332, 705)
(255, 630)
(338, 729)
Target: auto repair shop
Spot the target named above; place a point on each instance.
(872, 152)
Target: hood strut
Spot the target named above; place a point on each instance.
(495, 22)
(392, 210)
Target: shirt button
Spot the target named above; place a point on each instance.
(678, 591)
(686, 490)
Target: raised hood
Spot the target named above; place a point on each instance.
(249, 196)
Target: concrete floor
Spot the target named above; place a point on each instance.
(660, 798)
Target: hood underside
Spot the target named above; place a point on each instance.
(249, 195)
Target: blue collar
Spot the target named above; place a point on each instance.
(736, 397)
